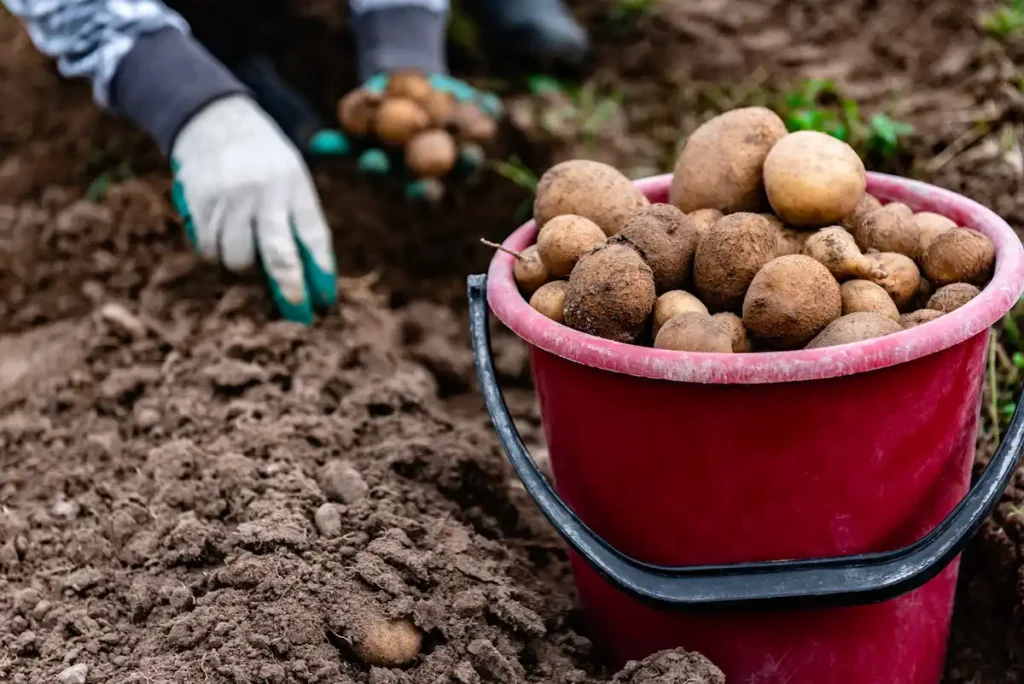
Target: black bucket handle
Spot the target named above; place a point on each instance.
(774, 585)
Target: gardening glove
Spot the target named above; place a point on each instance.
(246, 197)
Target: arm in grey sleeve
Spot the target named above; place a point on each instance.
(400, 34)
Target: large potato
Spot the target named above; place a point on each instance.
(589, 189)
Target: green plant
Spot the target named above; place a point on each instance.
(99, 186)
(1003, 21)
(518, 173)
(630, 11)
(578, 107)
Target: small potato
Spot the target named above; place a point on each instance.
(930, 225)
(963, 255)
(529, 271)
(813, 179)
(357, 111)
(410, 84)
(590, 189)
(472, 124)
(919, 317)
(868, 203)
(388, 643)
(728, 258)
(855, 327)
(837, 251)
(549, 300)
(952, 297)
(733, 324)
(694, 331)
(703, 219)
(399, 119)
(564, 239)
(440, 107)
(864, 295)
(431, 154)
(902, 280)
(671, 304)
(611, 292)
(890, 229)
(720, 166)
(667, 241)
(790, 301)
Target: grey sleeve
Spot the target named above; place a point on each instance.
(400, 34)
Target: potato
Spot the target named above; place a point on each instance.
(720, 165)
(694, 331)
(924, 293)
(667, 241)
(837, 251)
(864, 295)
(529, 271)
(855, 327)
(703, 219)
(671, 304)
(733, 325)
(549, 300)
(587, 188)
(728, 258)
(399, 119)
(929, 226)
(963, 255)
(787, 240)
(409, 84)
(890, 229)
(813, 179)
(868, 203)
(611, 292)
(440, 107)
(357, 111)
(952, 297)
(431, 154)
(471, 123)
(790, 301)
(902, 280)
(564, 239)
(919, 317)
(390, 643)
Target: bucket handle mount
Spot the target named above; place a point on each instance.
(772, 585)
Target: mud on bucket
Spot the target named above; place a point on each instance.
(795, 516)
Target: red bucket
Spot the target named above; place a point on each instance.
(795, 516)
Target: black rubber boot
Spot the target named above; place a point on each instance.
(533, 36)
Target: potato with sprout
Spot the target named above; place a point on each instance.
(836, 250)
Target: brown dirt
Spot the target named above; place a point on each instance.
(168, 450)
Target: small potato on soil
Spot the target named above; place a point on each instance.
(919, 317)
(703, 219)
(868, 203)
(549, 300)
(864, 295)
(902, 278)
(952, 297)
(587, 188)
(855, 327)
(813, 179)
(667, 240)
(399, 119)
(963, 255)
(733, 324)
(611, 292)
(890, 229)
(431, 154)
(671, 304)
(357, 111)
(390, 643)
(529, 271)
(720, 166)
(930, 225)
(564, 239)
(837, 250)
(790, 301)
(694, 331)
(728, 258)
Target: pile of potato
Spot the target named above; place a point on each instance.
(770, 242)
(427, 125)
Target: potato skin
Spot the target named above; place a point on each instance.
(919, 317)
(703, 219)
(549, 300)
(356, 111)
(529, 271)
(563, 240)
(952, 297)
(671, 304)
(590, 189)
(963, 255)
(930, 225)
(388, 643)
(838, 252)
(868, 203)
(733, 324)
(813, 179)
(790, 301)
(667, 241)
(855, 327)
(431, 154)
(611, 292)
(720, 167)
(694, 331)
(399, 119)
(864, 295)
(902, 280)
(728, 258)
(890, 229)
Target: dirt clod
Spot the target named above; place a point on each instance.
(76, 674)
(342, 483)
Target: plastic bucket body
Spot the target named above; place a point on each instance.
(688, 459)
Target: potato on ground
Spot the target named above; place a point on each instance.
(671, 304)
(529, 271)
(720, 167)
(890, 229)
(729, 256)
(837, 251)
(388, 643)
(610, 292)
(902, 278)
(963, 255)
(790, 301)
(952, 297)
(549, 300)
(855, 327)
(868, 203)
(919, 317)
(431, 154)
(667, 241)
(864, 295)
(694, 331)
(930, 225)
(564, 239)
(587, 188)
(733, 324)
(813, 179)
(399, 119)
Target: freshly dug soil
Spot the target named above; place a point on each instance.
(193, 492)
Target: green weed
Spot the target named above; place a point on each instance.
(581, 108)
(631, 11)
(518, 173)
(99, 186)
(1004, 21)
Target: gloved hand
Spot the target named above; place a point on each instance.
(246, 197)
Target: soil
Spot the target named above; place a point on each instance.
(195, 492)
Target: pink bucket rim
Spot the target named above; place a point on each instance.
(771, 367)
